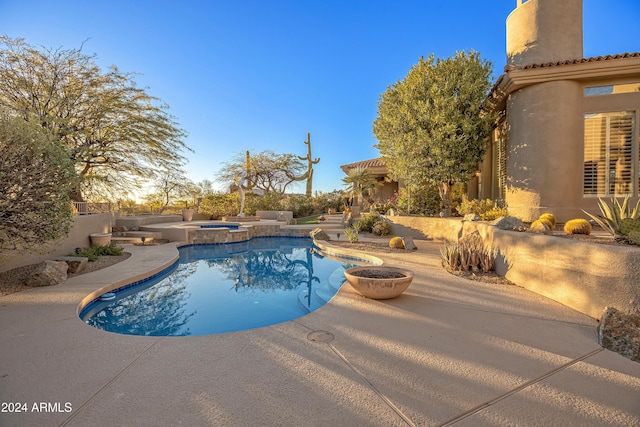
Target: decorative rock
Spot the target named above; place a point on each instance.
(471, 217)
(319, 234)
(620, 332)
(539, 227)
(75, 263)
(408, 243)
(507, 223)
(48, 274)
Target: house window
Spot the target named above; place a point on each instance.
(610, 154)
(612, 89)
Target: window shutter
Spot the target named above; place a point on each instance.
(608, 154)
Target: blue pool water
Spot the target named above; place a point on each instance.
(224, 288)
(229, 226)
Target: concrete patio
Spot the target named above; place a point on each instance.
(447, 352)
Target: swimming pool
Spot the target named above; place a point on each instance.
(224, 288)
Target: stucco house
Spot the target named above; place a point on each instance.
(379, 171)
(568, 129)
(568, 132)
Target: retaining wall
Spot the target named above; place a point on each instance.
(83, 225)
(585, 276)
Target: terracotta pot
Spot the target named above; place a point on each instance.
(376, 285)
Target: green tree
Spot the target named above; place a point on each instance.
(431, 126)
(270, 172)
(116, 134)
(36, 177)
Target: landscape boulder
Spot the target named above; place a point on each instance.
(620, 332)
(76, 264)
(49, 273)
(319, 234)
(409, 245)
(507, 223)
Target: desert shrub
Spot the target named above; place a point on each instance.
(352, 234)
(322, 202)
(381, 228)
(487, 209)
(382, 206)
(366, 222)
(219, 204)
(419, 201)
(267, 202)
(300, 205)
(94, 252)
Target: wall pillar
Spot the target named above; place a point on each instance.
(544, 150)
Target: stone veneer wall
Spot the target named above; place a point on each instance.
(245, 232)
(587, 277)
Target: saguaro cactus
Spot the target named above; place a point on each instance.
(309, 174)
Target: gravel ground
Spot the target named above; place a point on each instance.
(12, 281)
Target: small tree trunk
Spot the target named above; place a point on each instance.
(445, 196)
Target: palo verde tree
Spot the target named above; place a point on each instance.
(115, 133)
(36, 177)
(168, 189)
(431, 126)
(269, 171)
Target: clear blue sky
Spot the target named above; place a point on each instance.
(260, 74)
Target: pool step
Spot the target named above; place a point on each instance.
(322, 293)
(336, 279)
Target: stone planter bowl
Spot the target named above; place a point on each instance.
(379, 281)
(100, 239)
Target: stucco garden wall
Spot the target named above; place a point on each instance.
(587, 277)
(83, 226)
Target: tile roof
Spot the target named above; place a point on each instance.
(513, 67)
(371, 163)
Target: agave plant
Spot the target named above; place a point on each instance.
(450, 255)
(467, 254)
(613, 215)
